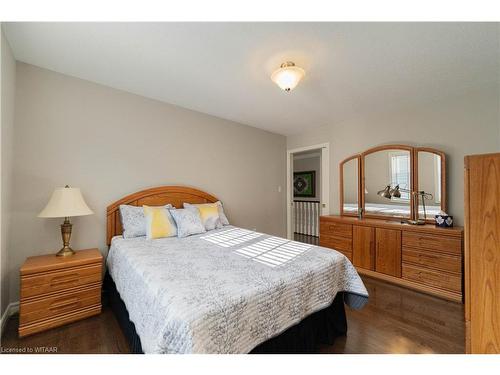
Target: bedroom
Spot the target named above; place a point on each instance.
(217, 119)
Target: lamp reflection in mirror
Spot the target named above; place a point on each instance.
(385, 193)
(66, 202)
(395, 192)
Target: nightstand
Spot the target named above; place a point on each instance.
(59, 290)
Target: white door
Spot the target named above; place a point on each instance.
(325, 183)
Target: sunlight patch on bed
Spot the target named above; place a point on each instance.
(274, 251)
(231, 237)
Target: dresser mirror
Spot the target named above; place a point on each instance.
(430, 179)
(349, 187)
(385, 170)
(395, 182)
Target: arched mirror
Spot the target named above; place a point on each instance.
(349, 185)
(387, 181)
(430, 181)
(394, 181)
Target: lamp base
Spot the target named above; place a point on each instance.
(65, 251)
(66, 236)
(415, 222)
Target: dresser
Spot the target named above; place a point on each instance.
(59, 290)
(422, 257)
(482, 253)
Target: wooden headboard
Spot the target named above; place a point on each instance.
(157, 196)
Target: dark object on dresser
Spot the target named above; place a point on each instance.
(444, 221)
(322, 327)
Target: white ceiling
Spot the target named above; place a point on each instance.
(223, 68)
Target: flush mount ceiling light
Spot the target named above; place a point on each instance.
(288, 76)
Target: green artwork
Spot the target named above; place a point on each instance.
(304, 184)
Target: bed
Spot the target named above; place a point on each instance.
(230, 290)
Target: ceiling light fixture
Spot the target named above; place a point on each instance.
(288, 76)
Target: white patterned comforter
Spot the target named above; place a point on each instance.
(227, 290)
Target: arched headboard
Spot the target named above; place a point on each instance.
(157, 196)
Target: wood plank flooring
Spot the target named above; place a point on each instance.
(313, 240)
(396, 320)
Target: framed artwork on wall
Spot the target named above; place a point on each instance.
(304, 184)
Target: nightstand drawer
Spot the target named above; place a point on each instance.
(51, 282)
(58, 304)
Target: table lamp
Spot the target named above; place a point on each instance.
(395, 192)
(66, 202)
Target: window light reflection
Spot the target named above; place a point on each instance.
(231, 237)
(273, 251)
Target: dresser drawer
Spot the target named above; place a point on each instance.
(54, 305)
(332, 228)
(437, 279)
(50, 282)
(443, 244)
(336, 242)
(439, 261)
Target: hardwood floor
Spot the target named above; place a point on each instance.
(399, 320)
(99, 334)
(396, 320)
(313, 240)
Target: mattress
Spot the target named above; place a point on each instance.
(390, 209)
(227, 290)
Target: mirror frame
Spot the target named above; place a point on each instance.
(341, 183)
(413, 178)
(444, 205)
(363, 185)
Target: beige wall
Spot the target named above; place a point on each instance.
(111, 143)
(8, 82)
(462, 125)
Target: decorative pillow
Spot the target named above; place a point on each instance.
(159, 223)
(222, 215)
(134, 221)
(188, 222)
(209, 214)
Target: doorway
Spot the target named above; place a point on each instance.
(308, 191)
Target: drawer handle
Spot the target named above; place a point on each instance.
(62, 280)
(64, 304)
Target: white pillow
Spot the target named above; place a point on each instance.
(134, 221)
(188, 222)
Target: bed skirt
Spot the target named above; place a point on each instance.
(322, 327)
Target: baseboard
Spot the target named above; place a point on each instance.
(11, 309)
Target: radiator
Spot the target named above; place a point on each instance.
(306, 217)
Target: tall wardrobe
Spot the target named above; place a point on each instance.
(482, 253)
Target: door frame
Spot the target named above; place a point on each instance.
(325, 181)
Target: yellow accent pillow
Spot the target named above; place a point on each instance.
(209, 214)
(159, 223)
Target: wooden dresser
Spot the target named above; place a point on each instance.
(422, 257)
(59, 290)
(482, 253)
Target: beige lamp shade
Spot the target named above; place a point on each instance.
(66, 202)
